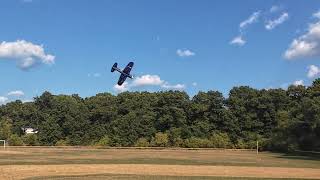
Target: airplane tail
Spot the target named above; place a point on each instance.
(114, 67)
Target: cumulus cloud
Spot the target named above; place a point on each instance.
(307, 45)
(271, 24)
(25, 53)
(124, 87)
(16, 93)
(155, 80)
(147, 80)
(316, 14)
(252, 19)
(313, 71)
(185, 53)
(298, 83)
(238, 41)
(3, 100)
(300, 48)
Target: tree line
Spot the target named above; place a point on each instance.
(281, 120)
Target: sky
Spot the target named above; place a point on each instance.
(69, 47)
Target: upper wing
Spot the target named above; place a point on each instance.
(122, 79)
(128, 68)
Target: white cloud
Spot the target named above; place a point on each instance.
(124, 87)
(298, 83)
(194, 84)
(155, 80)
(252, 19)
(316, 14)
(173, 87)
(313, 71)
(25, 53)
(238, 41)
(185, 53)
(274, 9)
(16, 93)
(307, 45)
(147, 80)
(300, 48)
(27, 100)
(273, 23)
(3, 100)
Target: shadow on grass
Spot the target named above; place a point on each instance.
(301, 155)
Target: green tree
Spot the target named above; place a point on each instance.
(171, 110)
(104, 141)
(220, 140)
(50, 132)
(161, 139)
(15, 140)
(30, 140)
(195, 142)
(61, 142)
(142, 142)
(5, 128)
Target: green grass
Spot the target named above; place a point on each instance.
(145, 177)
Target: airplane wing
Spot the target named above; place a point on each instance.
(128, 68)
(122, 79)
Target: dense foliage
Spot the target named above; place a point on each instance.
(280, 119)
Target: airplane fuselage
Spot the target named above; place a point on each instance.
(120, 71)
(125, 73)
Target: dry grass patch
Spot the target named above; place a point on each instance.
(27, 171)
(17, 163)
(54, 155)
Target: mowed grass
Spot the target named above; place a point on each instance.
(60, 156)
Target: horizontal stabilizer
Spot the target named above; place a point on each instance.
(114, 67)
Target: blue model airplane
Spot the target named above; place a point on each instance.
(124, 74)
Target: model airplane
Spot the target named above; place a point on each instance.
(124, 74)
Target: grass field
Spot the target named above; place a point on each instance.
(90, 163)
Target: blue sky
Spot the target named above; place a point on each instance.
(68, 47)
